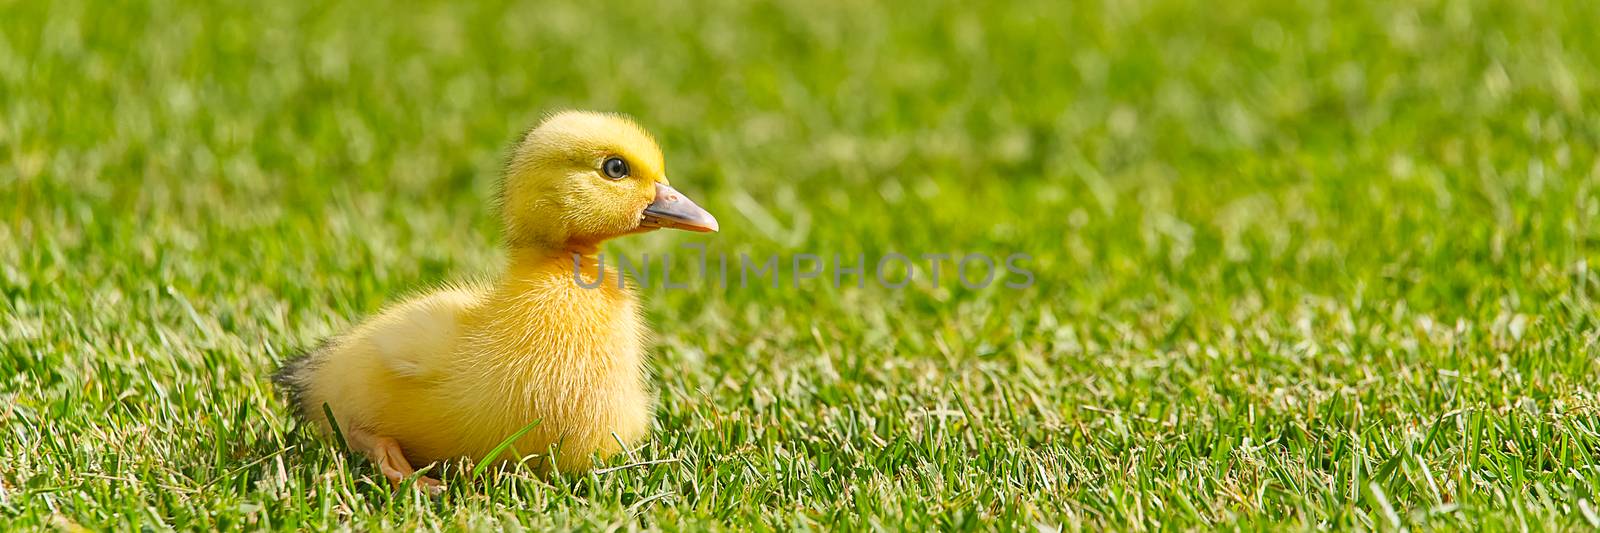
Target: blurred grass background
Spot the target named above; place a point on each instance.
(1306, 263)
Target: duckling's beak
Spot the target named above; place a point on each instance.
(674, 210)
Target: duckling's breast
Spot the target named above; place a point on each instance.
(544, 348)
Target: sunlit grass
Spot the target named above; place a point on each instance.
(1298, 263)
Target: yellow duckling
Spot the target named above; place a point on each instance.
(456, 372)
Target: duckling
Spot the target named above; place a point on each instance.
(454, 373)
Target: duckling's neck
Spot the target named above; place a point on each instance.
(542, 314)
(567, 261)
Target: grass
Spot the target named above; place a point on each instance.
(1302, 263)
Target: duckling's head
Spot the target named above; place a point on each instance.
(579, 178)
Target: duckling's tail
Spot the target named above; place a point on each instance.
(292, 377)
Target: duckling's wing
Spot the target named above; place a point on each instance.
(416, 338)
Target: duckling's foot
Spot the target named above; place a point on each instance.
(386, 453)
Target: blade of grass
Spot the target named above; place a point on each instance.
(483, 463)
(333, 424)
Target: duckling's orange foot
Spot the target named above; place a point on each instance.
(392, 462)
(386, 453)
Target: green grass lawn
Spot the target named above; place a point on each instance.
(1303, 263)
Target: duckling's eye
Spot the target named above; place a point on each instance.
(615, 168)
